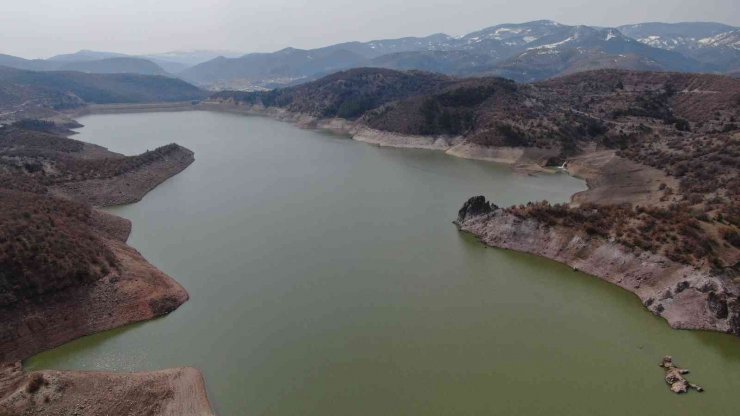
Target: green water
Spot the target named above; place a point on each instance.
(326, 278)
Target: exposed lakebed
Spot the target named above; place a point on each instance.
(326, 278)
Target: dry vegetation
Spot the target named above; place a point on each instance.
(672, 232)
(48, 244)
(32, 159)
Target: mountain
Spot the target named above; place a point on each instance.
(29, 64)
(714, 44)
(88, 61)
(505, 40)
(189, 58)
(375, 48)
(111, 62)
(281, 67)
(525, 52)
(115, 66)
(168, 66)
(581, 48)
(675, 36)
(85, 55)
(456, 62)
(64, 89)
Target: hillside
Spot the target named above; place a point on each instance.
(280, 67)
(38, 94)
(115, 66)
(94, 62)
(85, 55)
(51, 245)
(27, 64)
(347, 94)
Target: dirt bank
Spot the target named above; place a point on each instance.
(615, 180)
(171, 392)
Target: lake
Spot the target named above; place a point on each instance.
(326, 278)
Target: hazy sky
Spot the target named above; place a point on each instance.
(41, 28)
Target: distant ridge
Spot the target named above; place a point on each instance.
(23, 90)
(524, 52)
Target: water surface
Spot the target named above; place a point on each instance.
(326, 278)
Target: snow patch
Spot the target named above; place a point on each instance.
(553, 45)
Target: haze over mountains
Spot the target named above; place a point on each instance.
(167, 63)
(523, 52)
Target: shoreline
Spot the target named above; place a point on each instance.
(676, 292)
(685, 297)
(528, 160)
(135, 291)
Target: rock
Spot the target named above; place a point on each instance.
(680, 387)
(718, 304)
(674, 377)
(474, 207)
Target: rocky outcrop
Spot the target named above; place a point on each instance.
(674, 377)
(476, 206)
(686, 297)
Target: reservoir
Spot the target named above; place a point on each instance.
(326, 278)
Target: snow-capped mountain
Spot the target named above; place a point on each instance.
(504, 40)
(523, 51)
(714, 44)
(578, 48)
(676, 36)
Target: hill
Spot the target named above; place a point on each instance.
(281, 67)
(27, 64)
(64, 89)
(115, 66)
(85, 55)
(91, 62)
(348, 94)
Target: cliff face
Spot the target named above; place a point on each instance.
(686, 297)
